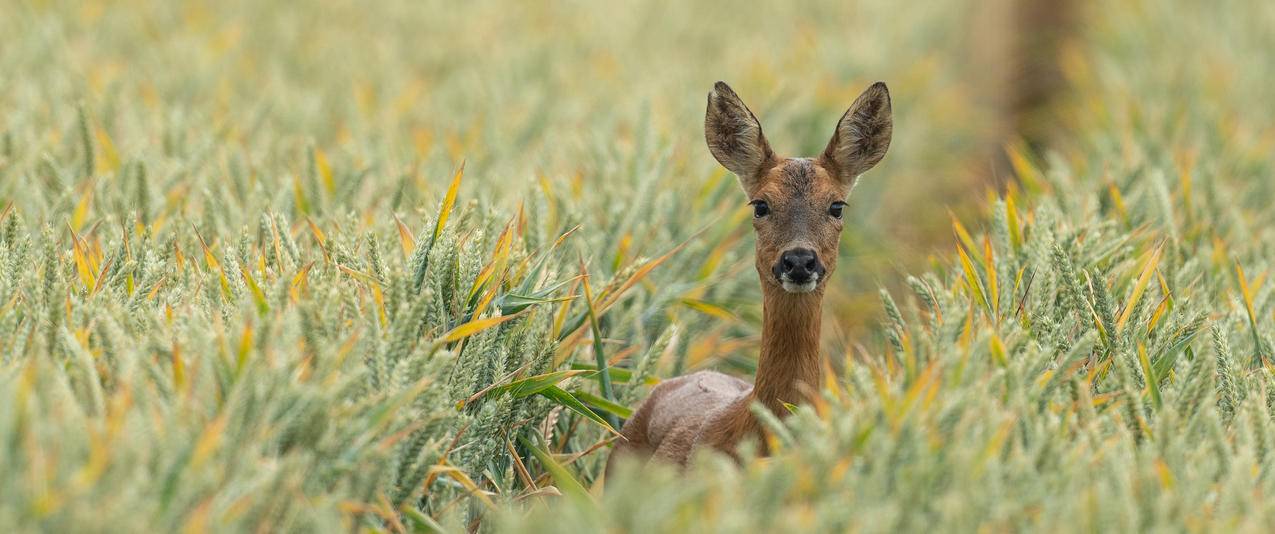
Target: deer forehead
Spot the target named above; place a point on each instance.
(797, 181)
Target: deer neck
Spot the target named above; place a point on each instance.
(788, 368)
(790, 364)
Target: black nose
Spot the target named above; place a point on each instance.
(798, 266)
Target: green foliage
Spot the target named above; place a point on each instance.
(276, 267)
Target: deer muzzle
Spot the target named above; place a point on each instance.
(799, 270)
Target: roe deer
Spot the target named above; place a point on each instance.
(797, 208)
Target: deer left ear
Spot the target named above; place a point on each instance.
(734, 137)
(863, 135)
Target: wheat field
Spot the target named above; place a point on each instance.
(405, 266)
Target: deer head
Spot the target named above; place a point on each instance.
(797, 202)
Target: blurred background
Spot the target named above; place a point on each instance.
(594, 108)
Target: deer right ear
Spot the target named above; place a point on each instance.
(734, 136)
(862, 136)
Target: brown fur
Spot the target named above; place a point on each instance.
(712, 409)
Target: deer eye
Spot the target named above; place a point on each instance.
(835, 209)
(760, 208)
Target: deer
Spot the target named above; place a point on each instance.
(797, 205)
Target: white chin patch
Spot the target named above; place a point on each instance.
(800, 288)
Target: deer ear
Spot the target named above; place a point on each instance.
(863, 135)
(734, 136)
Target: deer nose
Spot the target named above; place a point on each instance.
(799, 266)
